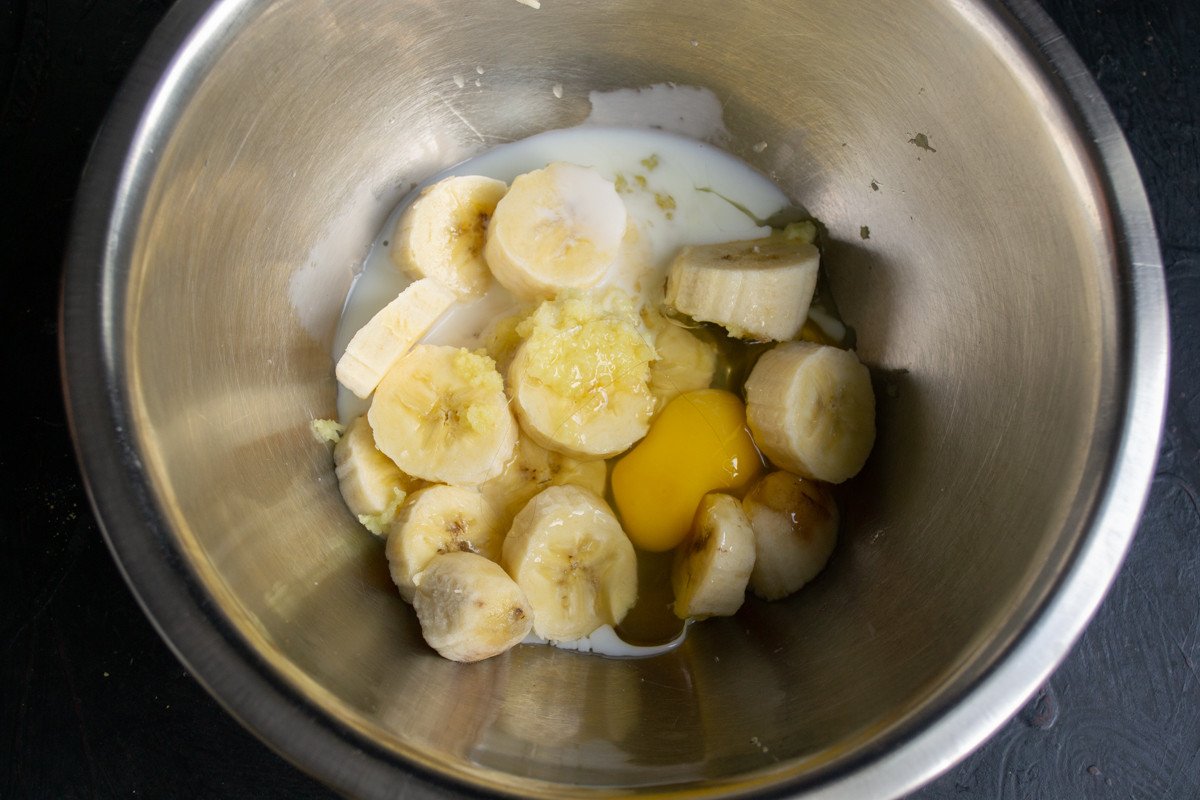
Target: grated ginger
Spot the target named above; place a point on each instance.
(327, 430)
(378, 523)
(585, 349)
(479, 370)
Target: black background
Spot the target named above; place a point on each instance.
(93, 704)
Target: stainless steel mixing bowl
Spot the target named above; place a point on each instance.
(1010, 299)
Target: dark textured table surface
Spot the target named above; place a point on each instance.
(93, 704)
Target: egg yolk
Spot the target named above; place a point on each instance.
(699, 443)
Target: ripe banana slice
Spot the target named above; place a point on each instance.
(712, 566)
(580, 381)
(557, 228)
(795, 523)
(811, 410)
(441, 235)
(441, 415)
(531, 470)
(372, 485)
(758, 289)
(390, 334)
(685, 362)
(469, 609)
(436, 520)
(568, 553)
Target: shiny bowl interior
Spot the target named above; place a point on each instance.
(1008, 300)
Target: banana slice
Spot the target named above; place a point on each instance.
(795, 523)
(712, 566)
(441, 414)
(758, 289)
(437, 520)
(531, 470)
(811, 410)
(441, 235)
(557, 228)
(469, 609)
(568, 553)
(686, 362)
(372, 485)
(391, 333)
(580, 381)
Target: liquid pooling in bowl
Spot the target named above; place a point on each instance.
(672, 197)
(677, 191)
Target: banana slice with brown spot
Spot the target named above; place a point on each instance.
(441, 235)
(567, 552)
(469, 609)
(712, 566)
(795, 524)
(437, 520)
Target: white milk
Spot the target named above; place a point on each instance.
(606, 641)
(684, 167)
(675, 191)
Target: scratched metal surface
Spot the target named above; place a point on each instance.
(94, 705)
(1121, 717)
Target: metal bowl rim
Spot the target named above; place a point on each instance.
(248, 687)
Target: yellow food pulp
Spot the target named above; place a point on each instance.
(699, 443)
(479, 371)
(588, 349)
